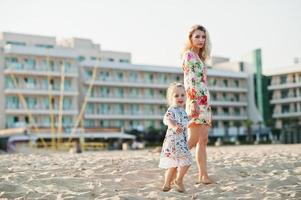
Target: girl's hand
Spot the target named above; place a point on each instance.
(178, 129)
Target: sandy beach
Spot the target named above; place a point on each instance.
(240, 172)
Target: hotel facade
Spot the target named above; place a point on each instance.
(45, 82)
(285, 93)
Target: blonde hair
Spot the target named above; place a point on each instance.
(205, 52)
(170, 89)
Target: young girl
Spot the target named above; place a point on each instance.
(175, 153)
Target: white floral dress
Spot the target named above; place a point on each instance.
(175, 152)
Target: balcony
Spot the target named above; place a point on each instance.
(118, 83)
(35, 90)
(287, 114)
(39, 71)
(228, 103)
(36, 111)
(131, 100)
(285, 85)
(224, 116)
(227, 89)
(37, 51)
(126, 116)
(289, 99)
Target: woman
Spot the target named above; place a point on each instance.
(196, 52)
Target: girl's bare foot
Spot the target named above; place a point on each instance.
(180, 186)
(166, 188)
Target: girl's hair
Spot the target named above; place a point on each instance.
(170, 89)
(205, 52)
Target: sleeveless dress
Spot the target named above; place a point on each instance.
(175, 152)
(195, 83)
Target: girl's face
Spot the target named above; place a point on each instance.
(178, 97)
(198, 39)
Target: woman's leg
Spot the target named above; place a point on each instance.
(201, 155)
(193, 136)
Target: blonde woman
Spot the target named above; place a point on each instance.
(196, 52)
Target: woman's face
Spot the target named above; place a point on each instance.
(198, 39)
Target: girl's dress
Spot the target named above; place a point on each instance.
(175, 152)
(195, 83)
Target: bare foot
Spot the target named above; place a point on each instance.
(166, 188)
(205, 180)
(180, 186)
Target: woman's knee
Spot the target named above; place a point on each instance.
(203, 142)
(191, 144)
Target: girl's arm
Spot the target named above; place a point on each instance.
(169, 120)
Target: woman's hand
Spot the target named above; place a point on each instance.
(194, 110)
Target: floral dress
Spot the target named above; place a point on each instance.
(175, 152)
(195, 83)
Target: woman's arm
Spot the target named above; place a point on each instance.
(188, 65)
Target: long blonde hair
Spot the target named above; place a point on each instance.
(205, 52)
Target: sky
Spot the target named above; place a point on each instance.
(154, 31)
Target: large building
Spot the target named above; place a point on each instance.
(47, 83)
(285, 92)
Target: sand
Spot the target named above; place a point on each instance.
(240, 172)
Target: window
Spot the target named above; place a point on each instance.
(283, 79)
(12, 102)
(236, 83)
(16, 43)
(9, 83)
(162, 93)
(89, 123)
(225, 83)
(119, 92)
(241, 67)
(214, 111)
(81, 58)
(236, 96)
(224, 96)
(104, 91)
(46, 46)
(29, 63)
(284, 93)
(104, 75)
(88, 73)
(67, 103)
(212, 81)
(149, 77)
(285, 108)
(133, 76)
(213, 95)
(119, 109)
(124, 61)
(119, 76)
(236, 111)
(226, 111)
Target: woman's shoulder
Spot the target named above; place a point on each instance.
(189, 55)
(188, 52)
